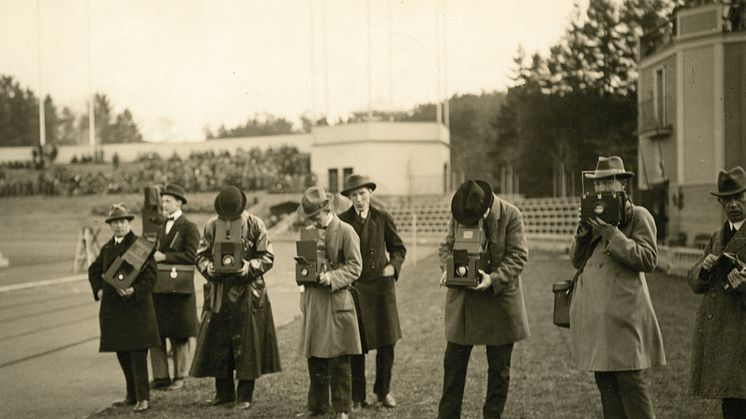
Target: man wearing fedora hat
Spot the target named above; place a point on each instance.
(330, 334)
(493, 313)
(126, 317)
(375, 290)
(613, 328)
(177, 242)
(237, 331)
(719, 342)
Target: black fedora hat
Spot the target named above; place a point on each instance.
(119, 211)
(357, 181)
(471, 201)
(607, 167)
(176, 191)
(731, 182)
(314, 200)
(230, 203)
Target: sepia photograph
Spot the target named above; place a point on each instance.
(373, 209)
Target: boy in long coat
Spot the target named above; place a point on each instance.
(330, 332)
(613, 328)
(237, 331)
(375, 290)
(177, 239)
(126, 317)
(493, 313)
(719, 343)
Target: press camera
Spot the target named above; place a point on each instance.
(608, 206)
(308, 264)
(467, 257)
(719, 271)
(227, 246)
(122, 273)
(152, 217)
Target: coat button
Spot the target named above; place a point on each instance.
(709, 316)
(372, 252)
(372, 266)
(713, 294)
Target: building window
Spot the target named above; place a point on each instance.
(333, 180)
(659, 97)
(346, 172)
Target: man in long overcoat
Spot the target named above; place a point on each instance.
(330, 333)
(613, 328)
(237, 331)
(126, 317)
(493, 313)
(375, 290)
(177, 241)
(719, 342)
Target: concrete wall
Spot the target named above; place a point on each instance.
(402, 158)
(699, 116)
(128, 152)
(735, 103)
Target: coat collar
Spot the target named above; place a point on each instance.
(737, 242)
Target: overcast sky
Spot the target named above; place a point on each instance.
(181, 65)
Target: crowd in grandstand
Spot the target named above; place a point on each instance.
(283, 169)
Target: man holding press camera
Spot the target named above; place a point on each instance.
(491, 312)
(719, 342)
(613, 328)
(237, 331)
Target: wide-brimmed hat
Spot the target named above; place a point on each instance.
(117, 212)
(314, 200)
(230, 203)
(471, 201)
(731, 182)
(357, 181)
(607, 167)
(176, 191)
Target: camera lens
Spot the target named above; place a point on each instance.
(461, 270)
(304, 272)
(228, 260)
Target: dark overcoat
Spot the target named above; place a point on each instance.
(330, 324)
(375, 293)
(495, 316)
(613, 326)
(127, 324)
(177, 313)
(718, 368)
(237, 314)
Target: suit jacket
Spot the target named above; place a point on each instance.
(330, 324)
(719, 342)
(127, 324)
(613, 326)
(496, 316)
(375, 293)
(177, 313)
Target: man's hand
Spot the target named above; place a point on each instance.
(100, 293)
(709, 261)
(159, 256)
(324, 279)
(389, 270)
(486, 282)
(736, 278)
(211, 269)
(127, 293)
(605, 229)
(245, 268)
(443, 279)
(302, 302)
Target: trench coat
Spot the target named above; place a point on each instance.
(177, 313)
(237, 314)
(330, 325)
(613, 324)
(495, 316)
(718, 367)
(375, 294)
(127, 324)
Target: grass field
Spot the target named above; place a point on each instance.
(543, 384)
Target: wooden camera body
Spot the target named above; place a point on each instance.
(125, 269)
(152, 217)
(467, 257)
(308, 264)
(608, 206)
(227, 246)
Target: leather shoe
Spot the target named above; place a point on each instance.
(141, 406)
(388, 401)
(178, 384)
(160, 383)
(123, 402)
(342, 415)
(243, 405)
(360, 405)
(216, 402)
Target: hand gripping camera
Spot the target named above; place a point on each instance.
(152, 217)
(122, 273)
(467, 257)
(227, 247)
(719, 271)
(309, 265)
(608, 206)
